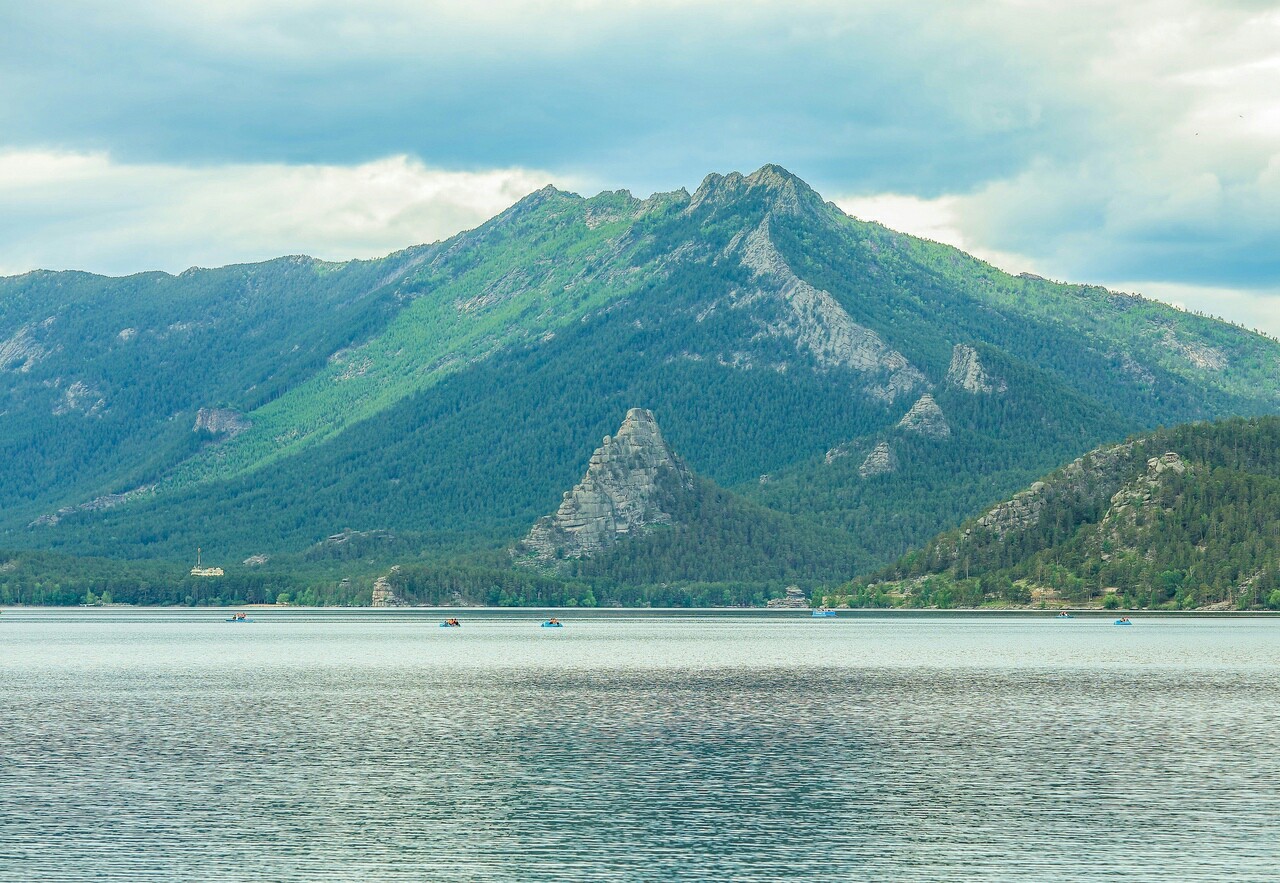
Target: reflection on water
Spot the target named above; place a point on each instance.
(174, 746)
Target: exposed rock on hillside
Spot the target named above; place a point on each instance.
(383, 593)
(622, 493)
(20, 352)
(879, 461)
(926, 418)
(1137, 494)
(1201, 355)
(98, 504)
(795, 599)
(967, 373)
(81, 397)
(1094, 474)
(220, 421)
(817, 324)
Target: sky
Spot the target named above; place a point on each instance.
(1135, 144)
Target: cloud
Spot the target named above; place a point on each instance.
(77, 210)
(644, 95)
(1094, 141)
(1182, 181)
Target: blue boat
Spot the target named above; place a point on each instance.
(450, 624)
(1125, 621)
(239, 618)
(553, 624)
(823, 612)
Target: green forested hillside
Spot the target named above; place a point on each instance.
(450, 393)
(1180, 518)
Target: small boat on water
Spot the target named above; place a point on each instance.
(553, 623)
(239, 617)
(822, 611)
(1124, 620)
(1063, 615)
(450, 624)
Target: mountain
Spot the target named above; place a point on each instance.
(633, 481)
(850, 387)
(1179, 518)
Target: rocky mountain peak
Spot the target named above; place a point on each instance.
(926, 418)
(783, 192)
(627, 483)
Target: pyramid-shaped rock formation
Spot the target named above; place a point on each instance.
(879, 461)
(622, 494)
(926, 418)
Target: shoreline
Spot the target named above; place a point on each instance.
(1049, 612)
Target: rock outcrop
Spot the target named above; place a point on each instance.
(1201, 355)
(220, 421)
(21, 351)
(81, 397)
(816, 323)
(795, 599)
(622, 493)
(926, 418)
(967, 373)
(1139, 492)
(98, 504)
(1098, 472)
(880, 461)
(383, 593)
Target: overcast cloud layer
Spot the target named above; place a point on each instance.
(1134, 144)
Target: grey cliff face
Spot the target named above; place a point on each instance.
(220, 421)
(816, 323)
(620, 495)
(1138, 493)
(926, 418)
(967, 373)
(1200, 355)
(1084, 477)
(881, 460)
(384, 595)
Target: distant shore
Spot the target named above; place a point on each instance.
(607, 611)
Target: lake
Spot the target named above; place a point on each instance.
(374, 745)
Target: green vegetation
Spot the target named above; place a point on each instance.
(437, 401)
(1199, 529)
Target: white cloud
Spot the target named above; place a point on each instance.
(84, 211)
(938, 219)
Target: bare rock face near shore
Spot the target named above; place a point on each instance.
(384, 595)
(621, 494)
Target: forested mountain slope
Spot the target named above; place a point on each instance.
(449, 394)
(1180, 518)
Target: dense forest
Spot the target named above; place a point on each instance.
(443, 398)
(1182, 518)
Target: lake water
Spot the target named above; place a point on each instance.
(370, 745)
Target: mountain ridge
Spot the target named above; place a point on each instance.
(448, 392)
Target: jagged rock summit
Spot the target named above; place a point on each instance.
(623, 492)
(926, 418)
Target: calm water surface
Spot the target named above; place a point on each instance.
(171, 745)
